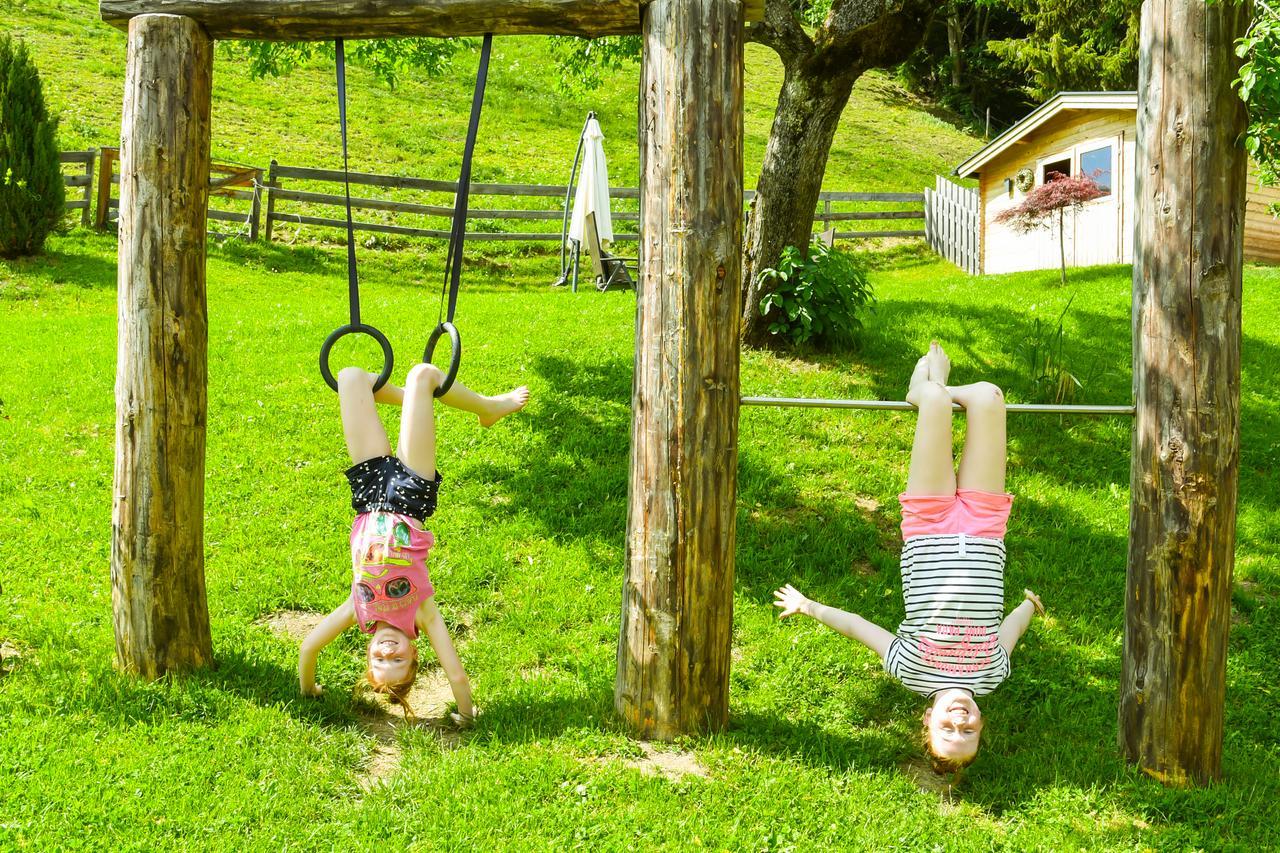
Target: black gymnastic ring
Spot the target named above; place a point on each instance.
(388, 358)
(455, 342)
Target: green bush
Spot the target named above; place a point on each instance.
(817, 298)
(31, 190)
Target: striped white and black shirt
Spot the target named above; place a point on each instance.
(953, 588)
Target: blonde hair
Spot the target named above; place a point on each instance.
(397, 692)
(940, 765)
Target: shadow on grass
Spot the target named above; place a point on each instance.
(58, 266)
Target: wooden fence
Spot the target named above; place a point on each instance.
(297, 197)
(80, 177)
(952, 224)
(230, 187)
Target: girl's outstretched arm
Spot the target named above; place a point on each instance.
(431, 623)
(321, 635)
(1015, 624)
(850, 624)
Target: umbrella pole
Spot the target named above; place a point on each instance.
(564, 222)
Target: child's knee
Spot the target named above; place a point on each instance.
(353, 377)
(989, 394)
(929, 394)
(424, 377)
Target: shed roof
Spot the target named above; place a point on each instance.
(1043, 114)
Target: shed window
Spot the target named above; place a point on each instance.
(1096, 164)
(1061, 167)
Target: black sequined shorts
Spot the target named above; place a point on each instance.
(385, 483)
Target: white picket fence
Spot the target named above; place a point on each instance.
(952, 217)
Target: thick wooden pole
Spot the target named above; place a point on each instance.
(1186, 378)
(157, 554)
(677, 606)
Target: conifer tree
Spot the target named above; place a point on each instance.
(31, 187)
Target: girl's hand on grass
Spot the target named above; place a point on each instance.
(314, 690)
(1035, 601)
(790, 600)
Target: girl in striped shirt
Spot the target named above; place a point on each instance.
(955, 641)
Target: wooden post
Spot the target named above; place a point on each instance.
(106, 167)
(1186, 379)
(157, 554)
(85, 213)
(273, 183)
(674, 650)
(255, 210)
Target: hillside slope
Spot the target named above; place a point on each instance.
(887, 140)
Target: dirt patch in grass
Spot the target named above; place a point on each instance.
(380, 718)
(673, 765)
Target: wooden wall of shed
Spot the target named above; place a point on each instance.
(1069, 128)
(1261, 229)
(1065, 130)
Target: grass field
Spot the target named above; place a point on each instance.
(888, 141)
(529, 570)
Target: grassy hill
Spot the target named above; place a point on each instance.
(887, 140)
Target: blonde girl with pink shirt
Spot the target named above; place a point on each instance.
(955, 643)
(392, 598)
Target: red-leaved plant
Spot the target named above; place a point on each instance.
(1056, 195)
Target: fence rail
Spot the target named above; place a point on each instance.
(422, 207)
(84, 178)
(953, 224)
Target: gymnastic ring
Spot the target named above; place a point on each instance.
(455, 342)
(388, 358)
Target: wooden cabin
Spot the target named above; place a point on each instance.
(1090, 133)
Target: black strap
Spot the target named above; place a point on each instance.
(353, 282)
(453, 262)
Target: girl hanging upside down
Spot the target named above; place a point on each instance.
(391, 593)
(953, 644)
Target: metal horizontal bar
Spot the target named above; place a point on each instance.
(903, 406)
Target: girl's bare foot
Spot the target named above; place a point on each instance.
(499, 407)
(939, 364)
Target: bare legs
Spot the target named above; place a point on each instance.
(982, 463)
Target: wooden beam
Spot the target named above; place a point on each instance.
(1186, 376)
(677, 605)
(157, 549)
(311, 20)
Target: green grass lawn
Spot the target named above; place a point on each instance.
(887, 140)
(529, 568)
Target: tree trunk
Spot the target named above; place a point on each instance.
(955, 46)
(1186, 338)
(795, 159)
(677, 603)
(1062, 246)
(157, 551)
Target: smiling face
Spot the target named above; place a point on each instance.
(955, 726)
(393, 656)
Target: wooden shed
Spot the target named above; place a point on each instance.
(1093, 133)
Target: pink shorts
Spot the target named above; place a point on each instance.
(968, 511)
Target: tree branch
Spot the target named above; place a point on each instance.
(873, 33)
(781, 32)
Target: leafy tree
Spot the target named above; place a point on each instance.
(1057, 195)
(31, 189)
(1074, 45)
(1259, 87)
(387, 58)
(953, 66)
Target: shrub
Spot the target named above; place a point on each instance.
(817, 299)
(31, 189)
